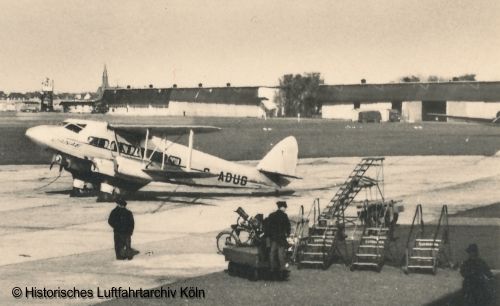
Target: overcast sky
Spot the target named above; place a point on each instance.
(243, 42)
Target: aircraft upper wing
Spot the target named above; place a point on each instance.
(469, 119)
(162, 129)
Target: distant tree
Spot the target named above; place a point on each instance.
(298, 94)
(464, 77)
(435, 78)
(410, 78)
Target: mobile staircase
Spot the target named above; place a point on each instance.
(425, 252)
(328, 229)
(375, 239)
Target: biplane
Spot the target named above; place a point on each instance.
(108, 159)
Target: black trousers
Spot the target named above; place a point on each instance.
(123, 250)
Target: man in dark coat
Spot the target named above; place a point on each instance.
(122, 222)
(477, 279)
(278, 229)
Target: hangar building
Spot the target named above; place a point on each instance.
(215, 101)
(413, 100)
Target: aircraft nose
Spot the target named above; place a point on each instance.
(37, 134)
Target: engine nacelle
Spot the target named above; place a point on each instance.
(131, 167)
(103, 166)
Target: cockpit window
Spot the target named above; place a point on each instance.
(74, 128)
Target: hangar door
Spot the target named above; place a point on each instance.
(437, 107)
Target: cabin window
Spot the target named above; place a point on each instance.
(174, 160)
(98, 142)
(73, 128)
(127, 149)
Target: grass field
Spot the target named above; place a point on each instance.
(250, 138)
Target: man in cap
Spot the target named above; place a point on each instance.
(477, 277)
(278, 229)
(122, 222)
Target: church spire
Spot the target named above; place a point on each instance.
(105, 83)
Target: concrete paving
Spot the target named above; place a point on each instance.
(50, 240)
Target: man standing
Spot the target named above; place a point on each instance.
(477, 277)
(122, 222)
(278, 229)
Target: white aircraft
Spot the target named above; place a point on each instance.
(120, 158)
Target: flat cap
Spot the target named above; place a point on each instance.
(472, 248)
(120, 201)
(281, 204)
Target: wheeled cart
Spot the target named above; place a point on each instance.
(247, 261)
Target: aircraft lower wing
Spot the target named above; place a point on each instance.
(165, 175)
(469, 119)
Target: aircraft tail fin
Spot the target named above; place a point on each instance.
(281, 161)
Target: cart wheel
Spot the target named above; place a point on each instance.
(224, 239)
(231, 269)
(255, 274)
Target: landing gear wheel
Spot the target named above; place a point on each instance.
(225, 239)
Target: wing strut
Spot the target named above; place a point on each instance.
(146, 145)
(190, 152)
(164, 149)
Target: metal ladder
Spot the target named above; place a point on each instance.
(351, 187)
(317, 249)
(426, 252)
(374, 241)
(328, 229)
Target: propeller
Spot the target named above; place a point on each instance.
(59, 160)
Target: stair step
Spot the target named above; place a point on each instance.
(421, 257)
(314, 253)
(373, 264)
(428, 240)
(374, 237)
(380, 246)
(368, 255)
(425, 249)
(420, 267)
(378, 229)
(318, 244)
(312, 262)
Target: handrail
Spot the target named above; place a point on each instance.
(442, 216)
(418, 212)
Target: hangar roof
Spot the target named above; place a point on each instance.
(450, 91)
(156, 96)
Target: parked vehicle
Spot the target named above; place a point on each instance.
(394, 115)
(369, 116)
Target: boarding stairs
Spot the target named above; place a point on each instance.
(427, 251)
(327, 230)
(372, 248)
(356, 181)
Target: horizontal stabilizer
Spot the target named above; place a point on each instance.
(279, 174)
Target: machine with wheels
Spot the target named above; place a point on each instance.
(244, 247)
